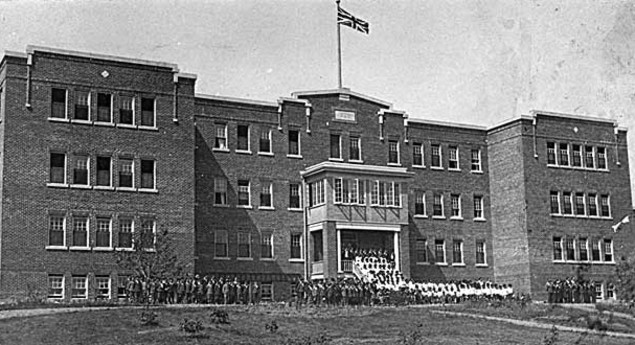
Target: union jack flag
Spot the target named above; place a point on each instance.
(348, 19)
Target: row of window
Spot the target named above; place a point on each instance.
(576, 156)
(243, 145)
(243, 194)
(438, 206)
(83, 235)
(580, 204)
(438, 255)
(99, 171)
(353, 192)
(582, 249)
(245, 250)
(102, 287)
(99, 107)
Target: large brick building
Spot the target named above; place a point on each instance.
(97, 148)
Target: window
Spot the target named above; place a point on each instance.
(79, 287)
(610, 291)
(122, 282)
(551, 153)
(265, 141)
(437, 206)
(608, 250)
(220, 140)
(296, 246)
(374, 194)
(457, 252)
(605, 207)
(601, 157)
(336, 152)
(220, 191)
(361, 192)
(103, 171)
(294, 142)
(57, 172)
(481, 253)
(337, 190)
(266, 291)
(456, 205)
(82, 105)
(396, 189)
(148, 173)
(244, 245)
(580, 208)
(595, 251)
(590, 157)
(58, 103)
(242, 134)
(439, 251)
(478, 207)
(417, 155)
(80, 170)
(104, 107)
(567, 203)
(126, 110)
(593, 205)
(577, 155)
(353, 191)
(148, 231)
(220, 244)
(393, 152)
(294, 195)
(476, 161)
(244, 193)
(126, 173)
(103, 233)
(583, 247)
(420, 203)
(557, 249)
(266, 195)
(421, 247)
(564, 155)
(570, 248)
(125, 232)
(148, 112)
(355, 149)
(390, 194)
(599, 292)
(453, 158)
(102, 287)
(555, 202)
(56, 286)
(436, 156)
(57, 231)
(266, 246)
(80, 231)
(316, 190)
(382, 192)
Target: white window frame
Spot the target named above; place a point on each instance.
(445, 255)
(374, 193)
(568, 155)
(425, 250)
(600, 296)
(339, 136)
(423, 159)
(88, 105)
(238, 189)
(592, 156)
(87, 223)
(592, 199)
(600, 243)
(74, 184)
(586, 247)
(269, 236)
(608, 204)
(110, 173)
(440, 148)
(462, 262)
(442, 216)
(453, 160)
(484, 263)
(132, 233)
(301, 245)
(65, 182)
(100, 279)
(566, 249)
(476, 161)
(359, 149)
(562, 253)
(604, 252)
(154, 175)
(396, 142)
(64, 229)
(552, 146)
(564, 201)
(219, 182)
(112, 107)
(133, 111)
(584, 205)
(75, 279)
(226, 243)
(338, 190)
(420, 194)
(239, 243)
(154, 113)
(50, 286)
(248, 149)
(460, 211)
(132, 167)
(269, 186)
(110, 244)
(580, 155)
(299, 154)
(610, 290)
(480, 208)
(154, 231)
(218, 140)
(267, 131)
(65, 118)
(606, 163)
(557, 194)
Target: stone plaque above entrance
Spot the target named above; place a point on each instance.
(345, 115)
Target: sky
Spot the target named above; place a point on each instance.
(476, 62)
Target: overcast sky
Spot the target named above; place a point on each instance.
(476, 62)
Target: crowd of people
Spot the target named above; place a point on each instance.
(570, 290)
(185, 290)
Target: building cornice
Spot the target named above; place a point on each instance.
(446, 124)
(357, 169)
(237, 100)
(343, 91)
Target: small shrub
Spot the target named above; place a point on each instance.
(149, 318)
(594, 322)
(272, 327)
(219, 316)
(191, 326)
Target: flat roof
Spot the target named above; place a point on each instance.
(356, 168)
(236, 100)
(447, 124)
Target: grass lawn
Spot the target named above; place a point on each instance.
(248, 326)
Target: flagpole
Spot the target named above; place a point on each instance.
(339, 50)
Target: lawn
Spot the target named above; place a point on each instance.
(248, 325)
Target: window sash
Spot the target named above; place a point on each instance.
(220, 244)
(438, 206)
(551, 153)
(57, 172)
(420, 203)
(220, 139)
(104, 107)
(57, 227)
(422, 250)
(557, 249)
(296, 246)
(102, 238)
(294, 143)
(436, 156)
(354, 149)
(393, 152)
(148, 171)
(148, 112)
(266, 246)
(453, 158)
(80, 232)
(476, 160)
(265, 196)
(125, 233)
(265, 141)
(417, 155)
(480, 252)
(335, 146)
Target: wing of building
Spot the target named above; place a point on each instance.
(96, 148)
